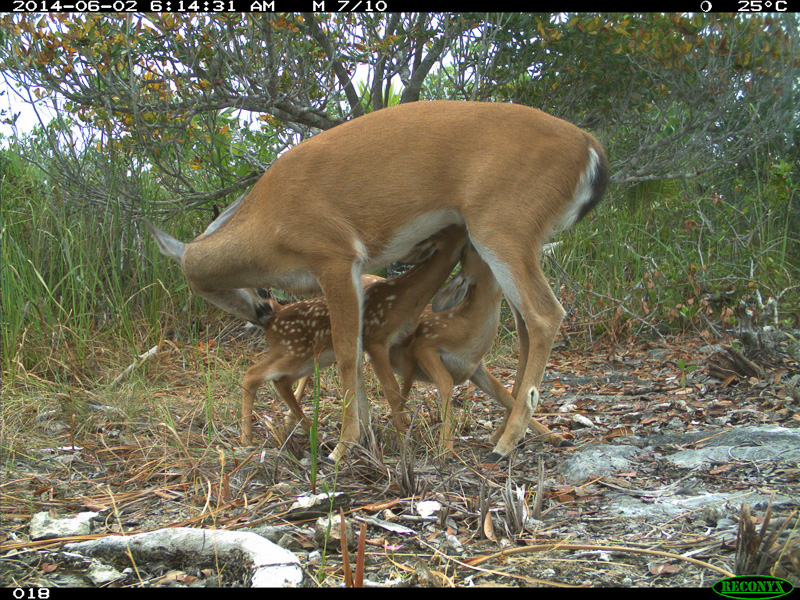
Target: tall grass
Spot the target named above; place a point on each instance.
(78, 281)
(84, 289)
(682, 260)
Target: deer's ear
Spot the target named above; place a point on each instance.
(167, 245)
(452, 294)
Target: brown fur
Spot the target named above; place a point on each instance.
(300, 333)
(358, 196)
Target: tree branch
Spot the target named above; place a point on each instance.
(341, 73)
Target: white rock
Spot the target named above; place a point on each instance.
(43, 526)
(271, 565)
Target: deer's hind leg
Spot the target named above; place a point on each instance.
(538, 313)
(490, 385)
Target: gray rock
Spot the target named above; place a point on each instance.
(597, 460)
(760, 443)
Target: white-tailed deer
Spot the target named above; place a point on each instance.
(359, 196)
(448, 346)
(300, 333)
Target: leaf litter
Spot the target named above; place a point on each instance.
(522, 523)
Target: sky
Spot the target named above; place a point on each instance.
(12, 103)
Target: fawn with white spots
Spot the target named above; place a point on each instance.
(300, 333)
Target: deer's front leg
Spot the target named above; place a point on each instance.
(284, 387)
(253, 379)
(344, 298)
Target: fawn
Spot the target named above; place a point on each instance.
(300, 333)
(448, 346)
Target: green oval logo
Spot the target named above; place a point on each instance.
(747, 587)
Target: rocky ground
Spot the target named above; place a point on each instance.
(670, 470)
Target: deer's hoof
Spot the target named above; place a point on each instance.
(493, 458)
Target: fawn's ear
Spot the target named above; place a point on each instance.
(265, 306)
(452, 294)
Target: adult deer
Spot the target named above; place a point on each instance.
(299, 334)
(448, 346)
(359, 196)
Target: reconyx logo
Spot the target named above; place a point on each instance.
(747, 587)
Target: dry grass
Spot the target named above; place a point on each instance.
(162, 450)
(169, 434)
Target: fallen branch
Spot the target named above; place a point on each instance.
(138, 361)
(265, 563)
(729, 362)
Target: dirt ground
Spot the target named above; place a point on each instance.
(525, 522)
